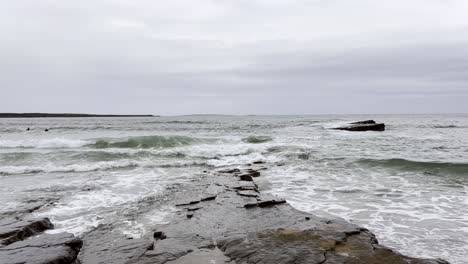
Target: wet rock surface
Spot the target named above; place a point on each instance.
(219, 218)
(105, 245)
(14, 229)
(366, 125)
(239, 224)
(22, 241)
(44, 249)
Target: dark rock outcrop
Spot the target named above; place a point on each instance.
(365, 122)
(367, 125)
(44, 249)
(13, 229)
(23, 242)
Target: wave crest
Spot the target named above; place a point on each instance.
(43, 143)
(426, 166)
(257, 139)
(145, 142)
(97, 166)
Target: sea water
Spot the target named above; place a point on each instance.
(408, 185)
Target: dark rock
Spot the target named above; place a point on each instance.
(188, 203)
(368, 125)
(245, 177)
(271, 202)
(259, 162)
(28, 206)
(365, 122)
(301, 246)
(244, 186)
(252, 173)
(13, 230)
(194, 209)
(44, 249)
(159, 235)
(230, 171)
(251, 205)
(105, 246)
(248, 193)
(209, 198)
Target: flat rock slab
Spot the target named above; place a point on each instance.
(13, 229)
(103, 246)
(228, 230)
(44, 249)
(221, 219)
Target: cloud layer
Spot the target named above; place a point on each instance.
(234, 57)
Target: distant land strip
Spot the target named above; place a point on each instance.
(38, 115)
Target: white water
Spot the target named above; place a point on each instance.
(408, 185)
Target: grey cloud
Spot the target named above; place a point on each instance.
(234, 57)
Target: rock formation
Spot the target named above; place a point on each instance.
(221, 217)
(367, 125)
(22, 242)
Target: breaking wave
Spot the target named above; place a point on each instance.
(131, 142)
(145, 142)
(98, 166)
(43, 143)
(257, 139)
(426, 166)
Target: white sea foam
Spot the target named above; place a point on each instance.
(419, 209)
(50, 167)
(43, 143)
(144, 224)
(395, 208)
(85, 210)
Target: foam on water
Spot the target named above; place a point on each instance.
(82, 211)
(142, 226)
(408, 185)
(401, 214)
(43, 143)
(49, 168)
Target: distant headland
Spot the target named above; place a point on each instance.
(38, 115)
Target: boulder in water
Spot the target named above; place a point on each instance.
(365, 122)
(366, 125)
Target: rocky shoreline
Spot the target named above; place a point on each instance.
(43, 115)
(221, 217)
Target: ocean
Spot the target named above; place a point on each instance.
(408, 185)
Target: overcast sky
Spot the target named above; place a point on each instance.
(234, 56)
